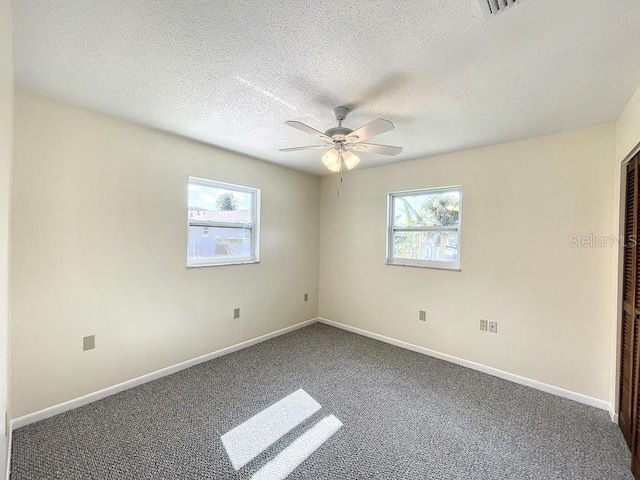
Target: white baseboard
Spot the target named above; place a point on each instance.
(613, 415)
(545, 387)
(92, 397)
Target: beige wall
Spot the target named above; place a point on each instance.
(6, 157)
(627, 139)
(99, 245)
(628, 127)
(521, 203)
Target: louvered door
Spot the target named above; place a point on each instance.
(629, 412)
(629, 347)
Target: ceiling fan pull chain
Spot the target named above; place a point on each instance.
(340, 173)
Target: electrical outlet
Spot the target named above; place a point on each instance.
(493, 327)
(483, 325)
(89, 343)
(422, 316)
(236, 313)
(306, 297)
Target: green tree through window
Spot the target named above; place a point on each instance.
(227, 201)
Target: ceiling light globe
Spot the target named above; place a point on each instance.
(335, 168)
(331, 159)
(350, 159)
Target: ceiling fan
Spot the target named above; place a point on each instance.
(343, 141)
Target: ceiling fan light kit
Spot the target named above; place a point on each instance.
(342, 141)
(334, 160)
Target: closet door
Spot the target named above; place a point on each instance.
(635, 390)
(629, 346)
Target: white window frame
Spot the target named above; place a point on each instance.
(391, 229)
(253, 226)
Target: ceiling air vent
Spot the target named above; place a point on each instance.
(494, 7)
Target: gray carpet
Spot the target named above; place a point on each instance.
(405, 416)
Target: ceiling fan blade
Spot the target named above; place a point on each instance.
(374, 148)
(307, 129)
(309, 147)
(371, 129)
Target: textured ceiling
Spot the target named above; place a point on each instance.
(230, 73)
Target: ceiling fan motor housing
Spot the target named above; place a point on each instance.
(338, 134)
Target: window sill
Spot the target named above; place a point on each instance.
(223, 264)
(451, 268)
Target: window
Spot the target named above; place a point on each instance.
(223, 223)
(424, 228)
